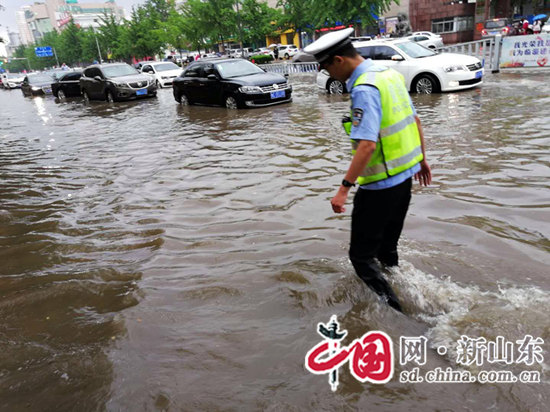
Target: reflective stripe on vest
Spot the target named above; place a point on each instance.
(398, 148)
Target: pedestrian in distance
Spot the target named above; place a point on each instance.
(388, 151)
(276, 52)
(536, 27)
(525, 26)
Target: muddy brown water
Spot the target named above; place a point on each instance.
(159, 257)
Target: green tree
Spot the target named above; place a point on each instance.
(142, 37)
(298, 14)
(209, 21)
(70, 44)
(258, 20)
(348, 11)
(110, 34)
(176, 31)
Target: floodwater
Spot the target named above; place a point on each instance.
(158, 257)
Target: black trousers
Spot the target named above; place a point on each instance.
(376, 223)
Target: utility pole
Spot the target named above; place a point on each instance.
(240, 29)
(56, 59)
(97, 43)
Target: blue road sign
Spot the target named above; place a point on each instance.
(43, 51)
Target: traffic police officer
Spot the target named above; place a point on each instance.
(388, 150)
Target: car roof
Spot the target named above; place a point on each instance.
(216, 60)
(380, 42)
(157, 62)
(100, 66)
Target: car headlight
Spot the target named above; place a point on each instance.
(34, 88)
(164, 77)
(454, 68)
(250, 89)
(116, 84)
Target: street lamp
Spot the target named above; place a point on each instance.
(97, 43)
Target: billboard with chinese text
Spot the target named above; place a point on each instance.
(525, 51)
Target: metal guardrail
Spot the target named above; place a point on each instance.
(486, 50)
(288, 68)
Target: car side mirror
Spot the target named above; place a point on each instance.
(98, 78)
(397, 58)
(286, 75)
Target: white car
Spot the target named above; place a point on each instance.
(287, 51)
(164, 73)
(427, 34)
(425, 71)
(12, 80)
(264, 50)
(426, 41)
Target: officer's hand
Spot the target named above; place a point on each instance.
(424, 176)
(339, 201)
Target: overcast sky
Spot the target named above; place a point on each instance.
(7, 16)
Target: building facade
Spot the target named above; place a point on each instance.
(39, 18)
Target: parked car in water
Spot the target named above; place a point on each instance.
(67, 85)
(426, 41)
(163, 73)
(233, 83)
(264, 50)
(115, 81)
(12, 80)
(287, 51)
(502, 26)
(36, 84)
(427, 34)
(425, 71)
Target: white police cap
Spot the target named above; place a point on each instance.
(328, 44)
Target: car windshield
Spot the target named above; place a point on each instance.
(166, 66)
(492, 24)
(13, 75)
(122, 70)
(414, 50)
(237, 68)
(40, 78)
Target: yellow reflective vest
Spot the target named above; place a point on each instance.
(398, 147)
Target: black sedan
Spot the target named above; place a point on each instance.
(233, 83)
(115, 81)
(37, 84)
(67, 85)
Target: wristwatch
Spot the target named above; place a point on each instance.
(345, 183)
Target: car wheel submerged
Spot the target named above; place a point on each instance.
(159, 86)
(425, 84)
(109, 97)
(86, 96)
(335, 87)
(182, 99)
(61, 94)
(231, 102)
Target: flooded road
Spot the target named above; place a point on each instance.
(159, 257)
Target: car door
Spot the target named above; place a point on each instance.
(212, 88)
(95, 86)
(365, 51)
(383, 55)
(191, 83)
(150, 70)
(70, 84)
